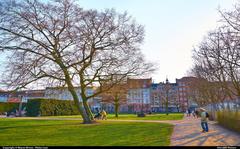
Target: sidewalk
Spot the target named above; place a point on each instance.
(188, 133)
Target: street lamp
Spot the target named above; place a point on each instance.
(21, 102)
(20, 106)
(141, 114)
(167, 87)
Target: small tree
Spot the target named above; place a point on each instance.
(166, 95)
(117, 96)
(175, 101)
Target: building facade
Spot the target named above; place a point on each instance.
(185, 101)
(62, 93)
(164, 97)
(20, 96)
(4, 96)
(142, 95)
(139, 95)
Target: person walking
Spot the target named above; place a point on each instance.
(193, 113)
(204, 123)
(188, 112)
(197, 113)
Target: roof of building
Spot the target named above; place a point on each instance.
(186, 78)
(60, 87)
(29, 93)
(139, 83)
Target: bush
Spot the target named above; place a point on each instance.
(229, 119)
(50, 107)
(9, 107)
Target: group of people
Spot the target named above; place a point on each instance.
(194, 113)
(203, 114)
(101, 115)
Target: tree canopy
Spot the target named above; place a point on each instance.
(58, 43)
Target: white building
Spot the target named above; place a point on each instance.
(139, 95)
(62, 93)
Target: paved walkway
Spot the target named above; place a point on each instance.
(188, 133)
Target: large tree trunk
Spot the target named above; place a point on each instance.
(84, 99)
(82, 111)
(116, 109)
(86, 118)
(88, 110)
(116, 105)
(167, 107)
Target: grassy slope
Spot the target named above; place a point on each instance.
(17, 132)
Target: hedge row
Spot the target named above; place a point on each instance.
(6, 107)
(9, 107)
(50, 107)
(229, 119)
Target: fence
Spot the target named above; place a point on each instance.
(226, 113)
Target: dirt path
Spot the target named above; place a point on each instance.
(188, 133)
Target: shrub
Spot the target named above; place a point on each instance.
(8, 107)
(229, 119)
(50, 107)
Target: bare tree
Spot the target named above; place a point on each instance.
(59, 43)
(175, 101)
(204, 92)
(117, 96)
(215, 61)
(168, 96)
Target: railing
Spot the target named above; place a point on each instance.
(227, 114)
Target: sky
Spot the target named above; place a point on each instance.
(173, 28)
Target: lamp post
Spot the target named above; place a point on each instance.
(20, 106)
(167, 87)
(141, 114)
(21, 102)
(142, 104)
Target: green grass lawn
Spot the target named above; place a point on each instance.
(19, 132)
(171, 116)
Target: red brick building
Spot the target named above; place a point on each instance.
(183, 92)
